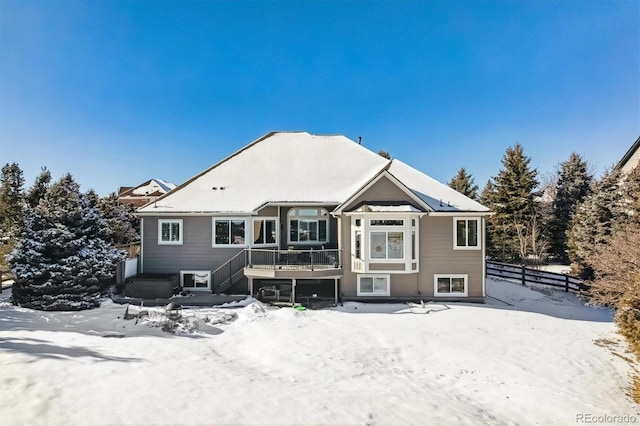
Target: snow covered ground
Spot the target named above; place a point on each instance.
(526, 357)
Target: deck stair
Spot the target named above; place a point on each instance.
(229, 273)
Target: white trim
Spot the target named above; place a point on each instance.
(180, 229)
(189, 271)
(186, 213)
(484, 258)
(461, 213)
(450, 294)
(374, 276)
(388, 259)
(478, 221)
(227, 218)
(261, 219)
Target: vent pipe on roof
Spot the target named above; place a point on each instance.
(359, 140)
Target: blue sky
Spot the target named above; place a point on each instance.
(117, 92)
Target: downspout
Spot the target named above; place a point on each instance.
(141, 260)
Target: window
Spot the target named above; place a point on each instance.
(196, 280)
(386, 222)
(228, 232)
(387, 245)
(264, 231)
(466, 233)
(308, 225)
(373, 285)
(170, 231)
(450, 285)
(358, 244)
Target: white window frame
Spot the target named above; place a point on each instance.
(180, 233)
(318, 218)
(374, 276)
(208, 273)
(263, 219)
(450, 294)
(455, 233)
(388, 259)
(247, 233)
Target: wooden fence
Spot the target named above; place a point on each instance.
(535, 276)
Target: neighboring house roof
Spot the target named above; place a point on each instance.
(297, 167)
(631, 158)
(152, 187)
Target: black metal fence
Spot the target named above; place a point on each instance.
(535, 276)
(304, 260)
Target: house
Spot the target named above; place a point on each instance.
(630, 159)
(297, 216)
(144, 193)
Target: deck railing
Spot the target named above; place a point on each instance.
(297, 260)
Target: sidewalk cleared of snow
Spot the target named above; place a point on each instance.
(526, 357)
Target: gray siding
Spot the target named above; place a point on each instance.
(194, 253)
(437, 256)
(436, 253)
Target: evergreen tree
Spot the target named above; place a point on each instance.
(11, 199)
(63, 260)
(385, 154)
(123, 227)
(511, 196)
(39, 188)
(573, 185)
(597, 218)
(464, 184)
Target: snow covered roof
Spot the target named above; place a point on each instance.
(280, 167)
(438, 196)
(154, 185)
(297, 167)
(403, 208)
(151, 187)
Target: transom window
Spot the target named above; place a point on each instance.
(387, 245)
(264, 231)
(373, 285)
(386, 222)
(308, 225)
(450, 285)
(170, 231)
(228, 232)
(466, 233)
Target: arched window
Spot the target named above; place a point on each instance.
(308, 225)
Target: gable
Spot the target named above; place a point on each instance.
(383, 191)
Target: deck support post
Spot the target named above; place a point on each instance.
(293, 291)
(250, 281)
(336, 291)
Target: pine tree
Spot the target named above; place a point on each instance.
(511, 196)
(62, 260)
(123, 227)
(464, 184)
(597, 218)
(384, 154)
(11, 199)
(573, 185)
(39, 188)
